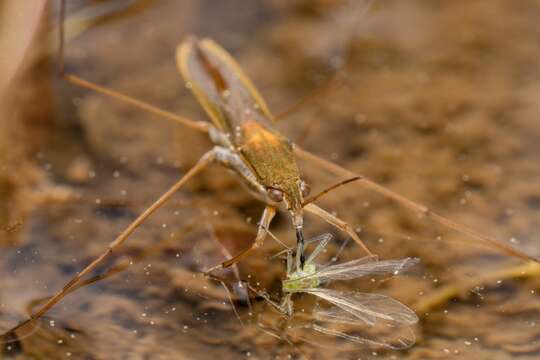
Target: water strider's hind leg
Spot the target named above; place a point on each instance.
(205, 160)
(424, 210)
(340, 224)
(217, 155)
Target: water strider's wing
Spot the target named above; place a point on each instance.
(371, 309)
(219, 84)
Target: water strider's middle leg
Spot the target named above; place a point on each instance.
(337, 222)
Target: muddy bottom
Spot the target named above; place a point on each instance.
(438, 102)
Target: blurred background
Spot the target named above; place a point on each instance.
(436, 100)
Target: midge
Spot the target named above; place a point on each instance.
(247, 143)
(367, 313)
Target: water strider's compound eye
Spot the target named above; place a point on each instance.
(305, 188)
(275, 195)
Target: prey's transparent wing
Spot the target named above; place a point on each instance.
(363, 267)
(373, 320)
(398, 338)
(367, 308)
(354, 269)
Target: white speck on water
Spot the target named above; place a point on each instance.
(468, 343)
(91, 174)
(360, 118)
(116, 174)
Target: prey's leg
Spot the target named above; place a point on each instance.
(324, 240)
(481, 239)
(205, 160)
(340, 224)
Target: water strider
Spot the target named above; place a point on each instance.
(247, 143)
(387, 321)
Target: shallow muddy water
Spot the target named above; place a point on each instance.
(439, 101)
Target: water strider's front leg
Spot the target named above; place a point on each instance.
(233, 161)
(337, 222)
(264, 223)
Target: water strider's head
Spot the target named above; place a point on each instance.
(292, 194)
